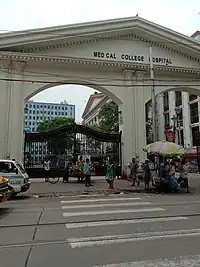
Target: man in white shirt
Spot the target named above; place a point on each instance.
(47, 167)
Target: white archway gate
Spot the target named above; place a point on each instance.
(111, 56)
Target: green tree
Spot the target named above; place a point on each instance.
(60, 145)
(54, 123)
(109, 118)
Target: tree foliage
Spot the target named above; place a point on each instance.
(63, 144)
(54, 123)
(109, 118)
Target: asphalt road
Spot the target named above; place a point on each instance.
(119, 230)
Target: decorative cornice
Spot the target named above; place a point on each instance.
(100, 39)
(101, 63)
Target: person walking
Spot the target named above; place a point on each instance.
(47, 167)
(134, 169)
(147, 174)
(110, 174)
(87, 174)
(184, 175)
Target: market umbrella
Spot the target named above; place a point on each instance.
(164, 148)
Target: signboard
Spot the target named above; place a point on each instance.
(131, 57)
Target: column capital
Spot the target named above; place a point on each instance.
(139, 75)
(128, 74)
(18, 65)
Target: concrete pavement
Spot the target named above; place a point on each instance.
(38, 187)
(88, 231)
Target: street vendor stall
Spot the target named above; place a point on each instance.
(164, 177)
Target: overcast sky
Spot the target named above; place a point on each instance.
(179, 15)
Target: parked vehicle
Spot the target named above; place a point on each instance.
(4, 190)
(18, 180)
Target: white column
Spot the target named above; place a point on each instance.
(160, 116)
(4, 114)
(140, 126)
(171, 104)
(127, 108)
(186, 120)
(15, 110)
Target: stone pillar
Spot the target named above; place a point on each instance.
(127, 109)
(171, 104)
(140, 123)
(4, 103)
(186, 120)
(15, 109)
(160, 117)
(133, 111)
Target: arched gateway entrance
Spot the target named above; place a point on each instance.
(111, 56)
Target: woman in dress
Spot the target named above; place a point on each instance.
(110, 174)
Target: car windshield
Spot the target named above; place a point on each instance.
(20, 167)
(7, 167)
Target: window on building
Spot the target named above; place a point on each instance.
(37, 117)
(194, 130)
(194, 116)
(180, 117)
(33, 106)
(55, 107)
(33, 111)
(38, 106)
(167, 119)
(38, 112)
(33, 129)
(48, 112)
(29, 122)
(30, 111)
(62, 108)
(192, 97)
(166, 101)
(181, 137)
(30, 106)
(51, 112)
(25, 122)
(59, 107)
(178, 99)
(65, 108)
(30, 117)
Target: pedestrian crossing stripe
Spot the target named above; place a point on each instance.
(106, 205)
(183, 261)
(104, 212)
(117, 222)
(99, 200)
(118, 239)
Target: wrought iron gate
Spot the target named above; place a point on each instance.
(67, 144)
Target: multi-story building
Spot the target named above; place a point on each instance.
(35, 112)
(91, 112)
(181, 110)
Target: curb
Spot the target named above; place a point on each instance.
(86, 192)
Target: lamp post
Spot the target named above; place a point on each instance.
(176, 123)
(153, 97)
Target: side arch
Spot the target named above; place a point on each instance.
(195, 90)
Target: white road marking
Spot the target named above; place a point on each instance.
(118, 239)
(101, 212)
(106, 205)
(117, 222)
(99, 199)
(185, 261)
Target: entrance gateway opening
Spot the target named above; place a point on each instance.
(66, 144)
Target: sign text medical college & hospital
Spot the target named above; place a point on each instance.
(132, 57)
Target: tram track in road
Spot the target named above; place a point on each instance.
(99, 220)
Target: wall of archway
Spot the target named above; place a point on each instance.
(112, 92)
